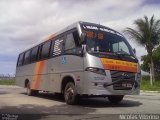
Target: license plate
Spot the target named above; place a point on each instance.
(128, 85)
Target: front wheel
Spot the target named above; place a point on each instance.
(70, 94)
(115, 98)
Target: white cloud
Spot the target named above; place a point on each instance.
(24, 22)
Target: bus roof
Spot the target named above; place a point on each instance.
(74, 25)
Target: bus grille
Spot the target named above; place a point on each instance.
(121, 75)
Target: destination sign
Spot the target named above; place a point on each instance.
(98, 28)
(94, 35)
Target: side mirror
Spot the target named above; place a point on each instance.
(134, 50)
(83, 37)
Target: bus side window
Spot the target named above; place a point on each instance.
(27, 57)
(69, 42)
(57, 46)
(45, 50)
(34, 54)
(20, 59)
(72, 42)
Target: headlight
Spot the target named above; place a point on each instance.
(96, 70)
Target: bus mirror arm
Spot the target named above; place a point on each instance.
(83, 37)
(83, 50)
(134, 50)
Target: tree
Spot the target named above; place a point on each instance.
(145, 64)
(156, 61)
(147, 34)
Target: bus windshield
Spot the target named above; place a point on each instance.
(105, 41)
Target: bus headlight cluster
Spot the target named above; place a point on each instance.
(96, 70)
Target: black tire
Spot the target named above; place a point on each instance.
(70, 94)
(56, 93)
(115, 98)
(31, 92)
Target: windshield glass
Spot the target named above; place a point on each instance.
(106, 41)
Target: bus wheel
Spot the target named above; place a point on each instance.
(70, 94)
(115, 98)
(31, 92)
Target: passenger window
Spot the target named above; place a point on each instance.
(58, 47)
(69, 42)
(34, 54)
(27, 57)
(20, 60)
(72, 42)
(45, 50)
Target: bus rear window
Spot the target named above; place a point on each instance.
(20, 60)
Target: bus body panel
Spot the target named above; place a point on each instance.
(92, 78)
(53, 72)
(47, 75)
(64, 66)
(24, 73)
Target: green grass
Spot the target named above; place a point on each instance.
(7, 82)
(145, 84)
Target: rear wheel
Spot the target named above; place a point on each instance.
(115, 98)
(70, 94)
(31, 92)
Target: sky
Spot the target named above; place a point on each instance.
(25, 22)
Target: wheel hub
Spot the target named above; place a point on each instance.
(69, 94)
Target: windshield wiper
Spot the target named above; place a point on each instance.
(123, 53)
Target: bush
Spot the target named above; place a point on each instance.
(7, 82)
(145, 84)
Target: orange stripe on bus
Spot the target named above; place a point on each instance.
(37, 74)
(51, 36)
(110, 64)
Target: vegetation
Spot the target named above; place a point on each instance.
(156, 61)
(147, 34)
(145, 84)
(7, 82)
